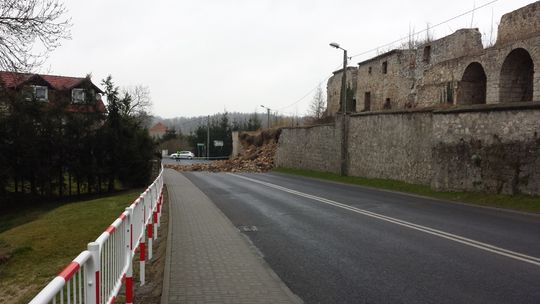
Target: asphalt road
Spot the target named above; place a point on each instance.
(336, 243)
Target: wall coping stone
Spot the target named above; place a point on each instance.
(391, 112)
(309, 127)
(527, 105)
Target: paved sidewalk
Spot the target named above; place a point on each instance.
(208, 260)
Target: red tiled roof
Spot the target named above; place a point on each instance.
(60, 83)
(11, 80)
(159, 127)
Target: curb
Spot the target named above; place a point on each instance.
(167, 271)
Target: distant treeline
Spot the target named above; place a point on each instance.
(188, 125)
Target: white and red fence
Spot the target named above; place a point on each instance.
(97, 274)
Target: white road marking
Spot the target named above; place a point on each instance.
(456, 238)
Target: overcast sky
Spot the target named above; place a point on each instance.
(201, 57)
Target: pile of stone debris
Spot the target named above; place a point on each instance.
(257, 155)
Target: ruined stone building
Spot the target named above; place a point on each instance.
(453, 70)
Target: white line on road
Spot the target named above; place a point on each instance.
(456, 238)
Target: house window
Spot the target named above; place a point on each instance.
(427, 54)
(78, 95)
(369, 70)
(40, 93)
(385, 67)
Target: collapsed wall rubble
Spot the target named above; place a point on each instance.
(257, 155)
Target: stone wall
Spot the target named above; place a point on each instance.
(492, 148)
(236, 145)
(385, 82)
(333, 89)
(312, 148)
(391, 146)
(456, 69)
(519, 24)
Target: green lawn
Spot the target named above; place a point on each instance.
(40, 242)
(519, 202)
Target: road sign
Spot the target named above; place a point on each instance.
(218, 143)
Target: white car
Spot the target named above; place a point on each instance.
(182, 154)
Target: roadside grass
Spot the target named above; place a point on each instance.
(520, 202)
(35, 245)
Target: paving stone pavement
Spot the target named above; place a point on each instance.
(208, 260)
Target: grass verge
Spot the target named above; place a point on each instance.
(34, 252)
(518, 202)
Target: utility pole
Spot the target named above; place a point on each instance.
(343, 95)
(344, 118)
(267, 116)
(208, 138)
(345, 122)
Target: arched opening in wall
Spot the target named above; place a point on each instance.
(517, 77)
(472, 87)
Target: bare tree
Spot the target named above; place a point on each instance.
(318, 104)
(140, 103)
(26, 25)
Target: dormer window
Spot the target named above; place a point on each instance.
(40, 93)
(78, 95)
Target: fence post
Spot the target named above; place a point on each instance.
(128, 255)
(154, 224)
(92, 274)
(149, 232)
(159, 212)
(142, 244)
(149, 228)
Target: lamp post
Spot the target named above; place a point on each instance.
(343, 95)
(344, 123)
(267, 116)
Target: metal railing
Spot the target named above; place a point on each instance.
(97, 274)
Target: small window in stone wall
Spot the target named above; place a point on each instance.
(387, 104)
(369, 70)
(427, 54)
(385, 67)
(367, 101)
(449, 93)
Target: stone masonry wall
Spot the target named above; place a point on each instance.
(519, 24)
(390, 89)
(313, 148)
(391, 146)
(436, 74)
(497, 150)
(333, 88)
(492, 148)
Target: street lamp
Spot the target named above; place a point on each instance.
(343, 97)
(267, 116)
(344, 122)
